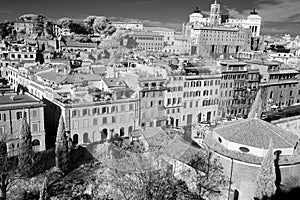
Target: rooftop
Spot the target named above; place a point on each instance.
(256, 133)
(114, 82)
(13, 98)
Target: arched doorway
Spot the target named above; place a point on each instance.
(122, 132)
(85, 138)
(36, 145)
(104, 134)
(75, 139)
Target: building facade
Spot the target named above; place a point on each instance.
(149, 41)
(174, 99)
(200, 98)
(13, 107)
(233, 89)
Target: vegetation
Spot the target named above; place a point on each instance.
(62, 152)
(25, 156)
(265, 186)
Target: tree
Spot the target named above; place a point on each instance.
(4, 172)
(131, 176)
(265, 184)
(209, 179)
(25, 156)
(61, 147)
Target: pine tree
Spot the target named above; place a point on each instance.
(25, 155)
(265, 184)
(61, 147)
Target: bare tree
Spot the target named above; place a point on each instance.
(209, 178)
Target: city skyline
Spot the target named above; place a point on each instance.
(279, 16)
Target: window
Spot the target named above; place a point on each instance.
(244, 149)
(130, 107)
(169, 101)
(2, 130)
(151, 103)
(19, 115)
(113, 119)
(34, 113)
(4, 117)
(114, 109)
(95, 121)
(179, 100)
(174, 101)
(35, 127)
(104, 110)
(160, 102)
(122, 108)
(84, 112)
(104, 121)
(184, 105)
(95, 111)
(85, 138)
(74, 113)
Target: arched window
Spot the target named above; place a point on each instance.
(122, 132)
(130, 129)
(85, 138)
(75, 139)
(36, 145)
(94, 136)
(104, 134)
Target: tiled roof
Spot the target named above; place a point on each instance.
(155, 136)
(256, 133)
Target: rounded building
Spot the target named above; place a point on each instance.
(242, 145)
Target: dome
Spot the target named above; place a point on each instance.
(196, 15)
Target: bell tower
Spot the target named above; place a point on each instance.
(215, 15)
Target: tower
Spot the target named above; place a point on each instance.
(215, 13)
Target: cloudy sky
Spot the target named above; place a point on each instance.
(280, 16)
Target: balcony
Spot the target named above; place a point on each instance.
(240, 88)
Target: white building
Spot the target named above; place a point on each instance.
(168, 33)
(128, 25)
(252, 22)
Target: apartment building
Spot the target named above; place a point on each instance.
(94, 114)
(180, 46)
(280, 86)
(200, 96)
(174, 98)
(149, 41)
(27, 27)
(13, 107)
(233, 89)
(169, 34)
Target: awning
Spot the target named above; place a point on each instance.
(274, 106)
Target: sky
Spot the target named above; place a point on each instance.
(279, 16)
